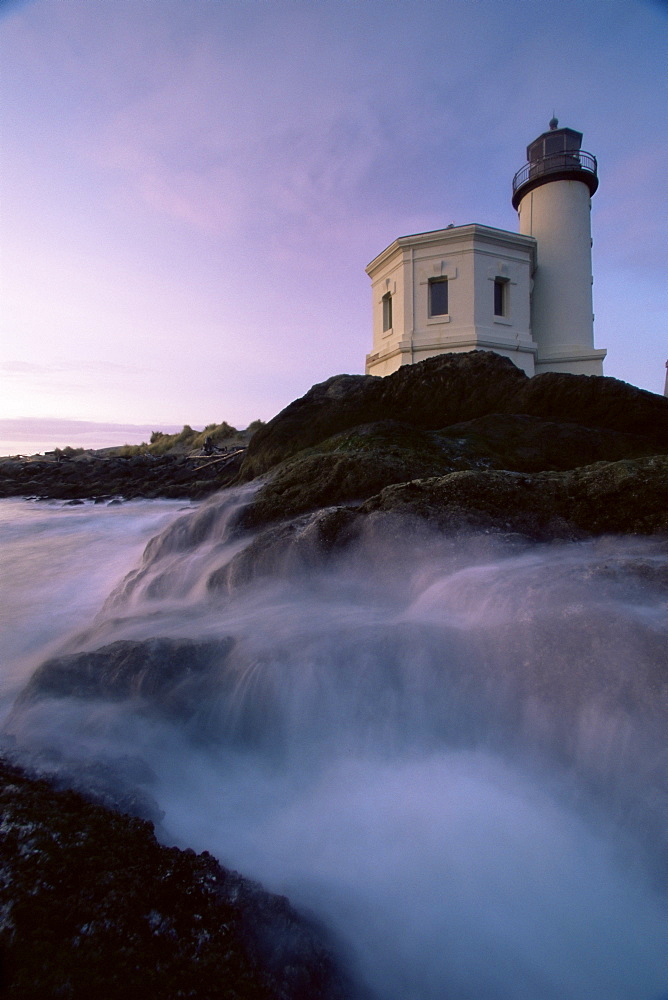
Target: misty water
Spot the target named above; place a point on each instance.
(451, 751)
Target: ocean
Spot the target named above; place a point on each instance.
(450, 750)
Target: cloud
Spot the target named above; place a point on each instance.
(263, 124)
(306, 162)
(21, 368)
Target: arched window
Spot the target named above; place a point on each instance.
(387, 312)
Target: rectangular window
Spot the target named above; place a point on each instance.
(500, 297)
(387, 312)
(438, 297)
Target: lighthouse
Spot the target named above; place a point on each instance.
(552, 195)
(526, 295)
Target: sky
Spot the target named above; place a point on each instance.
(191, 189)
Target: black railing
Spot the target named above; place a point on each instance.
(555, 163)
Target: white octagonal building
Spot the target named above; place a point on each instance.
(463, 288)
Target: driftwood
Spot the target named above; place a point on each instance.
(223, 458)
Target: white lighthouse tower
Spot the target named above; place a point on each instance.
(552, 194)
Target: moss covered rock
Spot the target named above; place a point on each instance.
(451, 389)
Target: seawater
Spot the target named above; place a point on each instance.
(371, 757)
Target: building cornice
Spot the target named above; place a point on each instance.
(473, 232)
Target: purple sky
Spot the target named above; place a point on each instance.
(191, 189)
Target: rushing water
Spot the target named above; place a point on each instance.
(449, 750)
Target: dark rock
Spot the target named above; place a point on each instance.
(172, 675)
(352, 436)
(429, 395)
(121, 783)
(91, 905)
(354, 465)
(357, 464)
(290, 547)
(595, 401)
(453, 388)
(168, 476)
(524, 443)
(626, 497)
(608, 497)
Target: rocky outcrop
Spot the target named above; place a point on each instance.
(626, 497)
(352, 437)
(172, 675)
(451, 389)
(359, 463)
(355, 465)
(91, 905)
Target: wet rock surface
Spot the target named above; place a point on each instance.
(175, 676)
(92, 905)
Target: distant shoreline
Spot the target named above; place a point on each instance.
(189, 464)
(106, 478)
(33, 438)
